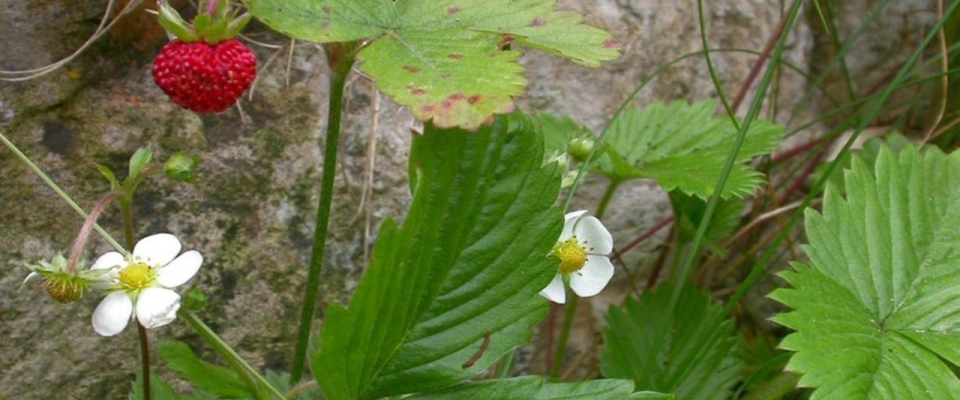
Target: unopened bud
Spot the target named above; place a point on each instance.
(580, 148)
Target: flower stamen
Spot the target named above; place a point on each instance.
(137, 277)
(571, 254)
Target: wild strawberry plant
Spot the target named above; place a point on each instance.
(454, 290)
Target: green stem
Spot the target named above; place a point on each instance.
(145, 360)
(611, 189)
(572, 303)
(126, 210)
(46, 179)
(250, 375)
(341, 62)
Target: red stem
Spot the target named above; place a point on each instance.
(87, 228)
(755, 70)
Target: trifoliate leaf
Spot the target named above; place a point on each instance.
(443, 59)
(538, 388)
(139, 159)
(684, 147)
(877, 311)
(218, 380)
(455, 288)
(634, 333)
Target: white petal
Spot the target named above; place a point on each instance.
(555, 291)
(157, 307)
(593, 277)
(109, 260)
(113, 314)
(180, 270)
(157, 249)
(593, 235)
(569, 221)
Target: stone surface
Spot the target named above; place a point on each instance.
(252, 214)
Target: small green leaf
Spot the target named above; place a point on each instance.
(181, 167)
(281, 381)
(632, 336)
(684, 147)
(877, 312)
(537, 388)
(558, 132)
(444, 59)
(108, 173)
(139, 159)
(213, 378)
(455, 288)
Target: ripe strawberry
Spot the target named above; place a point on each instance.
(203, 77)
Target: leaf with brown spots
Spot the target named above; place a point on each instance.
(444, 59)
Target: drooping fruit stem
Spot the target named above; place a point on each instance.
(340, 56)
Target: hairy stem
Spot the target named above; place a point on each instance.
(341, 61)
(564, 335)
(144, 360)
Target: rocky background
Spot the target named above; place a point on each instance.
(252, 213)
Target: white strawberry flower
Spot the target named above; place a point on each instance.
(140, 284)
(583, 249)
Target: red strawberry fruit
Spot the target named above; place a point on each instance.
(204, 69)
(202, 77)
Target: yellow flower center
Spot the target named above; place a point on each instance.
(137, 277)
(571, 254)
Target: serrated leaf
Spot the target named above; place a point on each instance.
(281, 381)
(632, 336)
(139, 159)
(213, 378)
(877, 312)
(868, 153)
(537, 388)
(443, 59)
(684, 147)
(456, 287)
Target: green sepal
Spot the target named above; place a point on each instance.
(171, 20)
(139, 159)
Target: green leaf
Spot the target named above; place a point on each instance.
(443, 59)
(281, 381)
(690, 210)
(634, 331)
(213, 378)
(455, 288)
(684, 147)
(159, 390)
(877, 312)
(181, 167)
(537, 388)
(139, 159)
(868, 153)
(108, 173)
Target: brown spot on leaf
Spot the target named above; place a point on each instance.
(446, 105)
(537, 22)
(505, 41)
(326, 9)
(411, 69)
(455, 56)
(456, 97)
(611, 44)
(418, 91)
(428, 109)
(474, 99)
(453, 10)
(325, 25)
